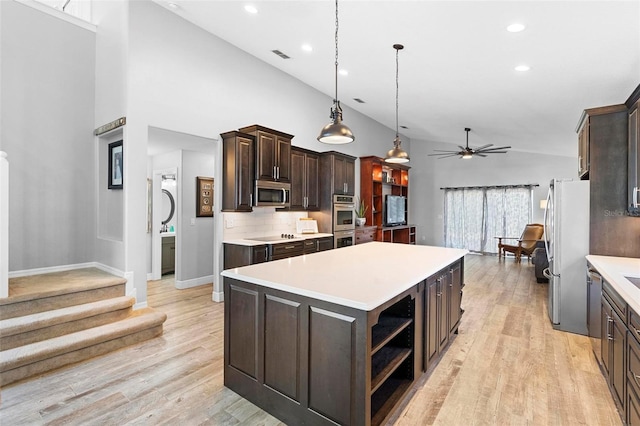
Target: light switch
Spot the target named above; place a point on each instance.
(193, 221)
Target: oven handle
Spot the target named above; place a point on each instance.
(284, 196)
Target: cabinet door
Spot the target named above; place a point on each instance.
(339, 182)
(583, 149)
(443, 316)
(431, 326)
(259, 254)
(325, 243)
(455, 284)
(283, 159)
(350, 175)
(312, 184)
(633, 407)
(265, 156)
(244, 175)
(298, 183)
(634, 164)
(617, 371)
(605, 326)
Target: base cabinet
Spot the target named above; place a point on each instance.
(613, 346)
(308, 361)
(168, 264)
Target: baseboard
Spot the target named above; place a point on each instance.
(195, 282)
(63, 268)
(218, 296)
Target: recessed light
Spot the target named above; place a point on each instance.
(515, 28)
(522, 68)
(251, 9)
(173, 6)
(307, 47)
(343, 72)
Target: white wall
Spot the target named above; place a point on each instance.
(47, 84)
(429, 174)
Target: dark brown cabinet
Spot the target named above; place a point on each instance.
(339, 171)
(286, 250)
(168, 254)
(614, 341)
(237, 171)
(583, 150)
(442, 310)
(633, 169)
(273, 153)
(305, 184)
(366, 234)
(313, 245)
(236, 256)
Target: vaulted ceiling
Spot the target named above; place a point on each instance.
(457, 68)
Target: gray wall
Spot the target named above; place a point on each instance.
(48, 80)
(429, 174)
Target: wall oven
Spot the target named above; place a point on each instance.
(343, 213)
(344, 238)
(272, 194)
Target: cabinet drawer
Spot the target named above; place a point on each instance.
(284, 250)
(617, 302)
(310, 246)
(634, 325)
(633, 370)
(365, 235)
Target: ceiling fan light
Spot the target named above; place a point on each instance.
(467, 155)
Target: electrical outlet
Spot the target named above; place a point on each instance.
(193, 221)
(229, 223)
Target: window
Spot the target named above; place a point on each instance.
(474, 216)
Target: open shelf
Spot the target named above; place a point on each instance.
(385, 362)
(386, 397)
(387, 328)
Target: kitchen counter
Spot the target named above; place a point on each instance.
(361, 276)
(298, 237)
(613, 270)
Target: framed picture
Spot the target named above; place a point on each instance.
(204, 196)
(115, 165)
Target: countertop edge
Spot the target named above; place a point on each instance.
(613, 269)
(250, 242)
(426, 272)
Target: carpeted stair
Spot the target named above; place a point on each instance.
(52, 320)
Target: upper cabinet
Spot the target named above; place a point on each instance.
(583, 148)
(305, 187)
(633, 169)
(273, 153)
(341, 170)
(237, 171)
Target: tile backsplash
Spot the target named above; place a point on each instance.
(261, 222)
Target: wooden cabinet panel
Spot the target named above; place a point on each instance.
(237, 171)
(281, 349)
(432, 324)
(168, 255)
(331, 352)
(242, 330)
(365, 234)
(633, 169)
(236, 255)
(325, 243)
(455, 286)
(613, 350)
(443, 316)
(305, 192)
(633, 407)
(273, 153)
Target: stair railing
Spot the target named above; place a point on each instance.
(4, 225)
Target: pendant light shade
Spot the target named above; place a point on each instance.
(336, 132)
(397, 154)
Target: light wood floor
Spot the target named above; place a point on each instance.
(507, 366)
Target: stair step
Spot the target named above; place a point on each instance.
(27, 329)
(40, 293)
(28, 360)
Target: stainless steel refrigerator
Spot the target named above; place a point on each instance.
(566, 235)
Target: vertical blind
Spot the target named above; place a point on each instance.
(474, 216)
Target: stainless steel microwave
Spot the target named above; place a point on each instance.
(272, 194)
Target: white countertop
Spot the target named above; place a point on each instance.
(298, 237)
(613, 270)
(167, 234)
(363, 276)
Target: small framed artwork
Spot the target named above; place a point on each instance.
(115, 165)
(204, 196)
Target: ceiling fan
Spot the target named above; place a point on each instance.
(466, 152)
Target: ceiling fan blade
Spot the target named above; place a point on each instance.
(480, 155)
(442, 153)
(498, 148)
(449, 155)
(480, 148)
(443, 150)
(461, 147)
(493, 152)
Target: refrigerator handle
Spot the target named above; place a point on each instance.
(546, 212)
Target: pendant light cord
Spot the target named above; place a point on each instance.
(336, 73)
(397, 135)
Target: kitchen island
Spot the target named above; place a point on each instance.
(341, 336)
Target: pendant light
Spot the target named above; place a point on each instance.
(397, 154)
(336, 132)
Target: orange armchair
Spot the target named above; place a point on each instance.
(526, 243)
